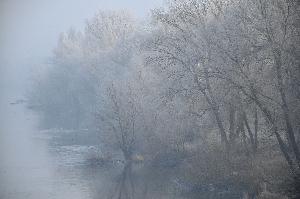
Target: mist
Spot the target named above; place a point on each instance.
(149, 99)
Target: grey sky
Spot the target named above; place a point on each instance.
(29, 30)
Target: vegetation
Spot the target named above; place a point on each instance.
(207, 93)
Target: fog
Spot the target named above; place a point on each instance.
(149, 99)
(29, 32)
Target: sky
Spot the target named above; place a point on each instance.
(29, 30)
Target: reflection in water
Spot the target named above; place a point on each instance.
(27, 169)
(125, 184)
(42, 164)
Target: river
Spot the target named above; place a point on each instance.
(41, 164)
(29, 166)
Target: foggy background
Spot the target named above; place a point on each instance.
(29, 30)
(149, 99)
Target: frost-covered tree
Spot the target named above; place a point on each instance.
(64, 93)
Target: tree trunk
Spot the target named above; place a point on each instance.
(256, 128)
(216, 112)
(244, 137)
(231, 123)
(249, 132)
(285, 108)
(284, 150)
(270, 120)
(213, 105)
(282, 145)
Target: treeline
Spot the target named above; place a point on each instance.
(204, 77)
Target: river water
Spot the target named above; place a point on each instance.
(37, 164)
(29, 166)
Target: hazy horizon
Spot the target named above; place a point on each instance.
(30, 29)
